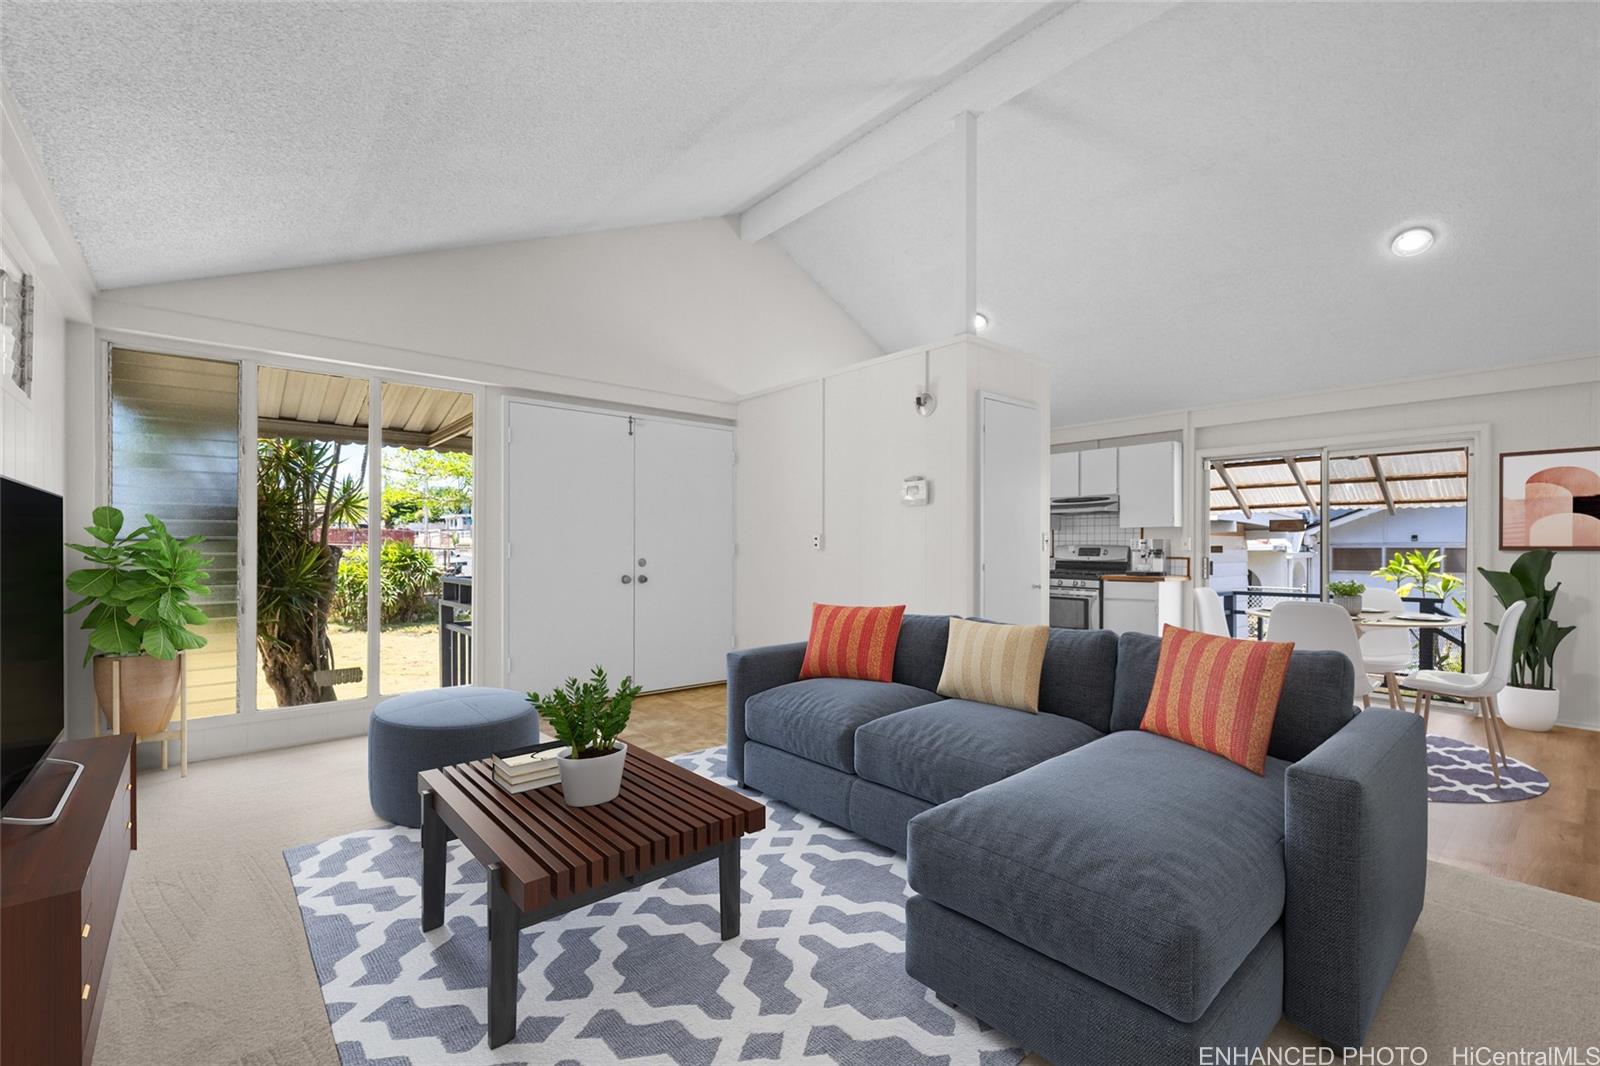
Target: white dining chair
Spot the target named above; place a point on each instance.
(1314, 626)
(1385, 650)
(1480, 688)
(1208, 613)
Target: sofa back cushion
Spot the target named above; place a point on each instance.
(994, 664)
(1317, 700)
(857, 643)
(1080, 676)
(1218, 694)
(919, 656)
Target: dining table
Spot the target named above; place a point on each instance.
(1428, 627)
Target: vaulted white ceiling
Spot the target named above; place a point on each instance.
(1197, 212)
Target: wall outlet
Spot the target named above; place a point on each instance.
(816, 541)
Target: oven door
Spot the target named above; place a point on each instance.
(1074, 610)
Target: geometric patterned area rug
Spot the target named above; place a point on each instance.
(817, 974)
(1459, 772)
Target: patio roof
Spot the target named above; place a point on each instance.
(1391, 480)
(297, 403)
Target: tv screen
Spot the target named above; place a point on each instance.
(32, 651)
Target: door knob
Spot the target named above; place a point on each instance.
(627, 579)
(643, 579)
(641, 560)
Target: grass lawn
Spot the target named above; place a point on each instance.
(410, 660)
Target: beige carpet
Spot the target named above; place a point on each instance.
(211, 966)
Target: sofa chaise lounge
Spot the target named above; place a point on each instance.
(1103, 894)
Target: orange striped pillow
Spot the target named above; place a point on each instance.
(853, 642)
(1217, 694)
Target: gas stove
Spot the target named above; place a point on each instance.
(1079, 566)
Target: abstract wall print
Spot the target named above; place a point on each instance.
(1550, 499)
(16, 330)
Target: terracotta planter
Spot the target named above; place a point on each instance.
(586, 782)
(1533, 709)
(149, 692)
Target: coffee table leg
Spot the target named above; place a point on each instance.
(728, 878)
(503, 929)
(433, 841)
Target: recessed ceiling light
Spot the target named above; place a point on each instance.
(1414, 241)
(980, 322)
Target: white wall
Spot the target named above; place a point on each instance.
(1552, 405)
(828, 457)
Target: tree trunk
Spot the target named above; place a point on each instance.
(288, 667)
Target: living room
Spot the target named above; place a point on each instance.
(1087, 514)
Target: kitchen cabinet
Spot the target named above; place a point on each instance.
(1150, 484)
(1141, 605)
(1097, 472)
(1063, 474)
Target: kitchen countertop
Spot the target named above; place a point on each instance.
(1143, 577)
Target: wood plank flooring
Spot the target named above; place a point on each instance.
(1552, 841)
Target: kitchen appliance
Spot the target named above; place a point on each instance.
(1085, 505)
(1075, 582)
(1148, 555)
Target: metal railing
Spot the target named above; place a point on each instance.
(1265, 596)
(455, 631)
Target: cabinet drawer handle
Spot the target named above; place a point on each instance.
(85, 992)
(130, 825)
(86, 930)
(129, 786)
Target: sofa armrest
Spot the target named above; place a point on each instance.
(1355, 847)
(750, 671)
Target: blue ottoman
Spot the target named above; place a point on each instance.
(423, 730)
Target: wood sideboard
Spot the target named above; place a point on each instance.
(60, 893)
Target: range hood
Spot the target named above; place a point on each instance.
(1085, 505)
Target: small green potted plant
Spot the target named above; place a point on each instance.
(1531, 701)
(138, 592)
(1347, 594)
(588, 717)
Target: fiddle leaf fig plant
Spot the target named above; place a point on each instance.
(139, 588)
(1538, 635)
(586, 715)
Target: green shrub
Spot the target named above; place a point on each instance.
(409, 582)
(1346, 588)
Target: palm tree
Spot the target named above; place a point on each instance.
(299, 496)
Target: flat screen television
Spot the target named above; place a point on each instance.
(32, 650)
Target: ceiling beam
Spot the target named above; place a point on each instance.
(1227, 481)
(451, 431)
(1383, 484)
(1050, 47)
(1300, 479)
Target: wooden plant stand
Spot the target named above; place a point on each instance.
(167, 736)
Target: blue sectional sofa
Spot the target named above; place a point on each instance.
(1102, 894)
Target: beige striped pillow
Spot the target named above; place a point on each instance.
(996, 664)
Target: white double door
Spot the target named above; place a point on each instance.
(620, 534)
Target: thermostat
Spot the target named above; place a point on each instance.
(914, 492)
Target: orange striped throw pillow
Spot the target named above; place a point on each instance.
(1217, 694)
(989, 663)
(853, 642)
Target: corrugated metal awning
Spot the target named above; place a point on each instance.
(1391, 480)
(299, 403)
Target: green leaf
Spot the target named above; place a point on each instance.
(158, 643)
(96, 582)
(1530, 570)
(115, 636)
(1507, 589)
(80, 605)
(193, 615)
(108, 519)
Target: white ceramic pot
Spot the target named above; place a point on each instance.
(1533, 709)
(586, 782)
(1349, 603)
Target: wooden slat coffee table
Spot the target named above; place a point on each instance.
(544, 858)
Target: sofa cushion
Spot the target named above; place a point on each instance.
(1080, 675)
(1146, 864)
(1218, 694)
(919, 655)
(855, 642)
(996, 664)
(817, 719)
(1317, 701)
(947, 749)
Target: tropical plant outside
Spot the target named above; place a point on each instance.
(1538, 634)
(299, 498)
(1414, 570)
(408, 580)
(423, 484)
(139, 593)
(586, 715)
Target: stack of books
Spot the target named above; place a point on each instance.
(525, 769)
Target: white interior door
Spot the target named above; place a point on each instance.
(1010, 508)
(683, 564)
(569, 534)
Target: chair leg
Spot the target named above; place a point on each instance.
(1488, 737)
(1493, 704)
(1366, 703)
(1425, 699)
(1393, 683)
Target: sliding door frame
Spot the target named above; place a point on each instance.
(252, 728)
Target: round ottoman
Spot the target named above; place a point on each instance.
(423, 730)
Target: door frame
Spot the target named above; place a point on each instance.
(1044, 501)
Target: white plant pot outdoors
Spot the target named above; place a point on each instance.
(1349, 603)
(1533, 709)
(586, 782)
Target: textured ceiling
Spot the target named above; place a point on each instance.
(1199, 213)
(187, 139)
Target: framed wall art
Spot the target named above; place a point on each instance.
(1550, 499)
